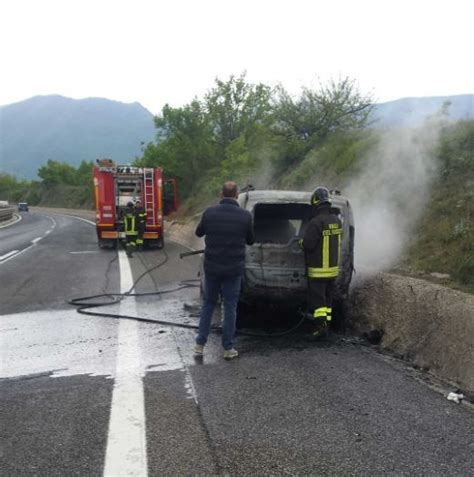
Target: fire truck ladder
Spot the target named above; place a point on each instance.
(150, 203)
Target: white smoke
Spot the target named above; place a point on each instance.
(389, 196)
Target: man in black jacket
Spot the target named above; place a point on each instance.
(322, 249)
(227, 229)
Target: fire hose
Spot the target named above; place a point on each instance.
(85, 304)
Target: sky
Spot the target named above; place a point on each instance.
(157, 52)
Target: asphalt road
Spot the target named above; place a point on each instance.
(84, 395)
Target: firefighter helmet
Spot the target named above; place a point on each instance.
(320, 196)
(130, 204)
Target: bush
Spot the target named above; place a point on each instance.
(465, 273)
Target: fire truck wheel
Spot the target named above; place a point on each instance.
(107, 243)
(158, 243)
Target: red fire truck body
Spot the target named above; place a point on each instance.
(115, 186)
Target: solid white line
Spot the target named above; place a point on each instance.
(80, 218)
(126, 442)
(70, 216)
(37, 239)
(9, 254)
(85, 251)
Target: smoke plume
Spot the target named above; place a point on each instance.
(389, 196)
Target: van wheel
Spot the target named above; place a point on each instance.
(244, 314)
(158, 243)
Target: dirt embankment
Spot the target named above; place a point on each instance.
(427, 324)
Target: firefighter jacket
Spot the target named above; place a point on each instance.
(141, 218)
(130, 222)
(322, 243)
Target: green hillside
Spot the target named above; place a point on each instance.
(445, 234)
(411, 188)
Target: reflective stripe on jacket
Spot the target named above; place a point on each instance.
(322, 244)
(130, 224)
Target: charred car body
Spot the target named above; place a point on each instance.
(274, 266)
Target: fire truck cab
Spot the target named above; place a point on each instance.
(115, 186)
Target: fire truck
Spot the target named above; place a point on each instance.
(115, 186)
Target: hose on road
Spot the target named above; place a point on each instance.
(84, 305)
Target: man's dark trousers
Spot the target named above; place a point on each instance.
(229, 288)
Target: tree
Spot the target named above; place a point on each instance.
(84, 173)
(57, 173)
(185, 146)
(308, 120)
(236, 107)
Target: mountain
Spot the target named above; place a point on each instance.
(70, 130)
(413, 111)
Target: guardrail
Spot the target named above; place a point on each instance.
(6, 213)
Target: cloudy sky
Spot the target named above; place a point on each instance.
(158, 52)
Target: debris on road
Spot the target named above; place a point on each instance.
(456, 397)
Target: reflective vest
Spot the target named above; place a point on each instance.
(130, 223)
(322, 244)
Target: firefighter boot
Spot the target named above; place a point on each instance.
(321, 329)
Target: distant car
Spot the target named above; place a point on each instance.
(23, 207)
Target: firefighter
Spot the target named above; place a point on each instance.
(321, 244)
(130, 227)
(141, 222)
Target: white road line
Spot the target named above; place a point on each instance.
(86, 251)
(126, 442)
(80, 218)
(9, 254)
(5, 259)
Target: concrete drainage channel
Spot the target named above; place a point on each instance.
(426, 324)
(429, 325)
